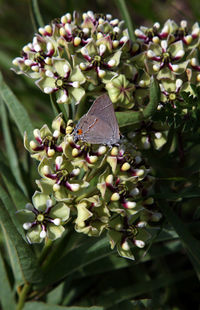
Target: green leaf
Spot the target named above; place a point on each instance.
(56, 295)
(13, 258)
(191, 244)
(26, 257)
(18, 197)
(122, 8)
(43, 306)
(35, 15)
(144, 287)
(11, 151)
(129, 118)
(6, 295)
(10, 207)
(154, 98)
(16, 110)
(78, 258)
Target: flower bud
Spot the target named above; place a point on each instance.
(48, 60)
(46, 170)
(114, 151)
(48, 90)
(188, 39)
(139, 243)
(75, 152)
(73, 187)
(56, 187)
(48, 29)
(62, 31)
(125, 167)
(99, 35)
(156, 40)
(76, 84)
(28, 62)
(43, 234)
(115, 197)
(77, 41)
(92, 159)
(129, 204)
(101, 73)
(49, 73)
(135, 191)
(27, 226)
(102, 150)
(35, 68)
(156, 67)
(86, 31)
(83, 66)
(69, 129)
(33, 145)
(112, 63)
(115, 43)
(141, 224)
(57, 221)
(109, 179)
(76, 171)
(149, 201)
(175, 68)
(125, 246)
(180, 54)
(50, 152)
(114, 22)
(102, 49)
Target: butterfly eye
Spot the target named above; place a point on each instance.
(79, 131)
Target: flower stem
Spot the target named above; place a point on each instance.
(23, 295)
(45, 251)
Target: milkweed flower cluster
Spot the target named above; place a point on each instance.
(170, 53)
(76, 54)
(95, 187)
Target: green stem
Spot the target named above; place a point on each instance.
(121, 4)
(57, 251)
(45, 250)
(23, 295)
(54, 106)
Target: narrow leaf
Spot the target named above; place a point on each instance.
(130, 292)
(16, 110)
(13, 258)
(11, 151)
(122, 8)
(11, 209)
(43, 306)
(191, 244)
(154, 98)
(36, 14)
(18, 197)
(129, 118)
(26, 257)
(86, 254)
(6, 294)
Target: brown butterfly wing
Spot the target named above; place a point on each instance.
(99, 125)
(94, 130)
(104, 110)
